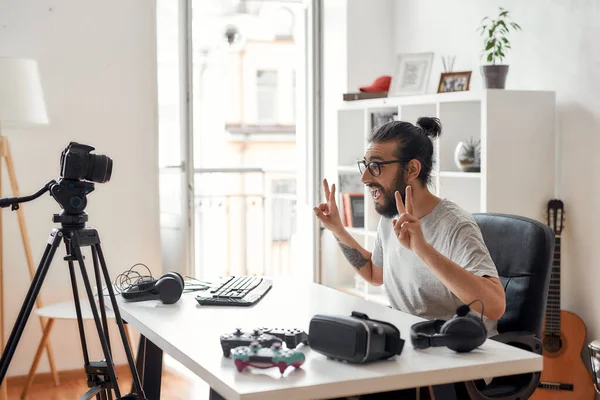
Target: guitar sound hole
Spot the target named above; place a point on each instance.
(552, 343)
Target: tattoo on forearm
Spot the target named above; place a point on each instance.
(353, 255)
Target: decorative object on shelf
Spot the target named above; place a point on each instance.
(467, 155)
(454, 82)
(364, 96)
(411, 75)
(496, 43)
(379, 85)
(381, 118)
(448, 63)
(594, 349)
(353, 210)
(379, 88)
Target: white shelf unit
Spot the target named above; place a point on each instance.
(516, 130)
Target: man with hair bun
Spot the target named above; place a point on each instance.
(429, 252)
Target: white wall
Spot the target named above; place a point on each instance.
(555, 51)
(97, 61)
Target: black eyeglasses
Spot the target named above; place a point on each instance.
(374, 166)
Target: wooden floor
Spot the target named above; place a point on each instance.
(175, 386)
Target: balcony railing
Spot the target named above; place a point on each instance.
(245, 221)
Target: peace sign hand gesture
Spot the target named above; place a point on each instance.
(328, 212)
(407, 227)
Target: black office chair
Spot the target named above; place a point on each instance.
(522, 250)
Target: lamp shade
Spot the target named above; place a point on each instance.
(21, 95)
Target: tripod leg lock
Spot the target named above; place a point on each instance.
(97, 374)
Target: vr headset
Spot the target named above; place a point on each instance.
(354, 339)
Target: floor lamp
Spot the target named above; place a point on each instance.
(21, 105)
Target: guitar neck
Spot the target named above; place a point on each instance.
(553, 302)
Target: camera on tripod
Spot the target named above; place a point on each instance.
(77, 163)
(79, 169)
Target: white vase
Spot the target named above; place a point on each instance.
(465, 160)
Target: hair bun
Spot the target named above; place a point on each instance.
(431, 126)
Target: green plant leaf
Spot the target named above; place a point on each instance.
(505, 40)
(491, 44)
(490, 57)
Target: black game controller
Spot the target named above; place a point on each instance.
(291, 337)
(238, 338)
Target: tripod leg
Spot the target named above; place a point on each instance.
(100, 295)
(10, 167)
(109, 362)
(69, 258)
(136, 379)
(27, 306)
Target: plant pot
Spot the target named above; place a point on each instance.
(494, 76)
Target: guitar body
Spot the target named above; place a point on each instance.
(566, 366)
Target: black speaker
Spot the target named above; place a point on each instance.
(461, 333)
(168, 289)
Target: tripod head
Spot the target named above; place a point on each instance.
(78, 170)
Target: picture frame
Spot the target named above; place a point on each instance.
(381, 118)
(353, 210)
(454, 81)
(411, 76)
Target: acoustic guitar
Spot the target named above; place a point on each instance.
(564, 375)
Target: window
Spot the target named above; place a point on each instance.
(266, 96)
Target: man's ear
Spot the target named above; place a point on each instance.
(413, 169)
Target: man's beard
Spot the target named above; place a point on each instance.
(387, 204)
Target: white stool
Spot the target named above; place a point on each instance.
(56, 311)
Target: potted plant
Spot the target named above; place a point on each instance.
(494, 32)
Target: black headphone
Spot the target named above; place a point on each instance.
(168, 288)
(462, 333)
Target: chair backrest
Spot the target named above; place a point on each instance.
(523, 251)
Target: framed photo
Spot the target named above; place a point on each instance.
(454, 81)
(411, 75)
(353, 209)
(381, 118)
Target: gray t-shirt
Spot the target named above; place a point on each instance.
(411, 286)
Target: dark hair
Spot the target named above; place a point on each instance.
(414, 141)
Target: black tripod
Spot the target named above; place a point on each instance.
(101, 376)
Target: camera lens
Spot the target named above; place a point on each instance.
(100, 168)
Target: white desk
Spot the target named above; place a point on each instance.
(190, 333)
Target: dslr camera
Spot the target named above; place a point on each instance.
(76, 163)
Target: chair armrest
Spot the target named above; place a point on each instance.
(521, 339)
